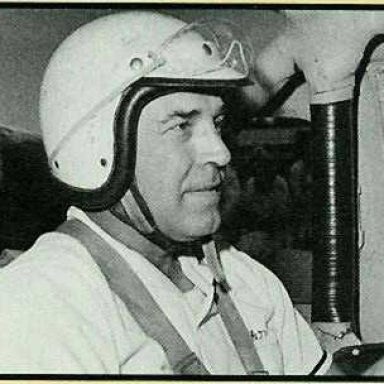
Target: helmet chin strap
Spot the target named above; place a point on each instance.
(134, 211)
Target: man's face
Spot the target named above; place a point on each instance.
(181, 161)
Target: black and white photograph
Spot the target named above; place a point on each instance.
(191, 191)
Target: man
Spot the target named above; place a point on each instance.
(132, 108)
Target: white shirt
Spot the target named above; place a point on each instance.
(58, 314)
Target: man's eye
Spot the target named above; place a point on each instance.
(220, 123)
(182, 125)
(177, 126)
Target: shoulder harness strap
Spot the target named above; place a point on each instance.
(144, 309)
(231, 317)
(139, 302)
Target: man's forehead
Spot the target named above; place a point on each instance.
(185, 102)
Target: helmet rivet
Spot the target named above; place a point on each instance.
(207, 49)
(136, 64)
(103, 162)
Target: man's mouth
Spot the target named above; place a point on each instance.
(210, 187)
(216, 187)
(205, 195)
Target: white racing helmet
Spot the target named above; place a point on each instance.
(100, 78)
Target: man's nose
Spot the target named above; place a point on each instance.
(212, 149)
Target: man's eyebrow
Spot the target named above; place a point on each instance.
(181, 114)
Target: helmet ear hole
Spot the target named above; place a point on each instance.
(207, 48)
(136, 64)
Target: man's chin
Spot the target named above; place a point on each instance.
(207, 226)
(196, 227)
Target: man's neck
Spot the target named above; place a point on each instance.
(166, 262)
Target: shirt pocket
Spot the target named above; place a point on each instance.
(148, 358)
(257, 318)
